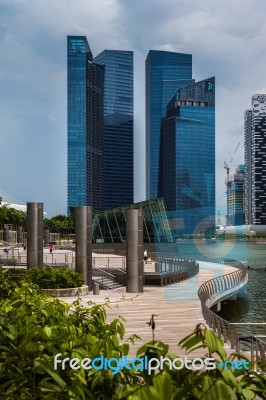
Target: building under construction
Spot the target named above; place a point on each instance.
(235, 197)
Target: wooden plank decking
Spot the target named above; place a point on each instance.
(177, 308)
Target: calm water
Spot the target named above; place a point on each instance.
(251, 305)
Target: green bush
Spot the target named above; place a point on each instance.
(7, 283)
(34, 328)
(54, 278)
(48, 278)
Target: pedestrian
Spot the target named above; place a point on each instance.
(51, 248)
(145, 256)
(24, 246)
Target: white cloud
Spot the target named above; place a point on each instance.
(226, 40)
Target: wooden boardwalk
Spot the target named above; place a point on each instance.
(176, 307)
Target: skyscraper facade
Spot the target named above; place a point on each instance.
(235, 194)
(248, 166)
(100, 126)
(118, 127)
(166, 72)
(187, 157)
(255, 160)
(78, 58)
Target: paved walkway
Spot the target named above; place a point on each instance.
(177, 308)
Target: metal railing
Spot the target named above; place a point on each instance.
(107, 251)
(120, 275)
(18, 258)
(55, 258)
(105, 279)
(261, 349)
(220, 284)
(109, 262)
(229, 331)
(208, 291)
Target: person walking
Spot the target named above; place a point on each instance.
(51, 248)
(145, 256)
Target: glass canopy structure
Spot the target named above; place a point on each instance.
(110, 226)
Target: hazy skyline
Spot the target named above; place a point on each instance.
(226, 41)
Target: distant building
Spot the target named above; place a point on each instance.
(166, 72)
(235, 193)
(118, 127)
(187, 157)
(248, 167)
(255, 161)
(99, 126)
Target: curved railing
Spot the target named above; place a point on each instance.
(207, 294)
(221, 284)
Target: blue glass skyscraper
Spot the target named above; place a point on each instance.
(166, 72)
(187, 157)
(118, 127)
(78, 57)
(100, 126)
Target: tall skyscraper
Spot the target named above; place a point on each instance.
(78, 58)
(118, 127)
(255, 161)
(248, 166)
(100, 126)
(187, 156)
(166, 72)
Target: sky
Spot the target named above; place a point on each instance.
(226, 40)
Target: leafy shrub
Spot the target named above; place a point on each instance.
(34, 328)
(54, 278)
(48, 278)
(7, 283)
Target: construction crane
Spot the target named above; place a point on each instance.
(228, 165)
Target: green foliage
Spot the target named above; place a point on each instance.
(7, 283)
(34, 328)
(9, 215)
(63, 224)
(48, 278)
(54, 278)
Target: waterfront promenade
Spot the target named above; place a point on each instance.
(176, 307)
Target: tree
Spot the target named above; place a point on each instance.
(12, 216)
(63, 224)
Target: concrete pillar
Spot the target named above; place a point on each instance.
(32, 235)
(40, 234)
(140, 249)
(134, 251)
(83, 239)
(19, 234)
(89, 246)
(6, 234)
(217, 307)
(46, 237)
